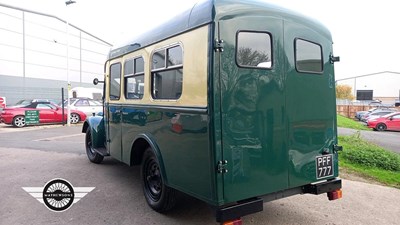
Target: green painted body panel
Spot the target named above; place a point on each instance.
(180, 140)
(274, 121)
(268, 124)
(311, 108)
(96, 124)
(114, 130)
(253, 115)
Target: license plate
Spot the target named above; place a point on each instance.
(324, 165)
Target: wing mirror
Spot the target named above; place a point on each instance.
(97, 81)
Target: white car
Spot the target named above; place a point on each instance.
(88, 106)
(376, 114)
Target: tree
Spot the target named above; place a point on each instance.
(344, 91)
(251, 57)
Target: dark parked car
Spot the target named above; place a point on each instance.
(48, 113)
(388, 122)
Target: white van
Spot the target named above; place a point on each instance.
(84, 92)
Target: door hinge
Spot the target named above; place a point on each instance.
(221, 167)
(219, 45)
(337, 148)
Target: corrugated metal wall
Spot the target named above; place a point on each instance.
(33, 55)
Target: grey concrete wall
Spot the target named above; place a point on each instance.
(17, 88)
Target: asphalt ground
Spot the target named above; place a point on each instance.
(58, 152)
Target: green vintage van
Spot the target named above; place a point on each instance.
(231, 102)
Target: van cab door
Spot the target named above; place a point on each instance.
(253, 105)
(113, 111)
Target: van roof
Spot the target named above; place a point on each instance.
(206, 12)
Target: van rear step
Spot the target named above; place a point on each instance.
(238, 210)
(324, 187)
(253, 205)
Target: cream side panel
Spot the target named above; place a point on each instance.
(194, 89)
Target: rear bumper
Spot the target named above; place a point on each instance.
(323, 187)
(249, 206)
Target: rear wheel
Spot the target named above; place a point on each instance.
(158, 196)
(75, 118)
(381, 127)
(93, 156)
(19, 121)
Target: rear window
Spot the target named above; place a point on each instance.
(254, 49)
(308, 56)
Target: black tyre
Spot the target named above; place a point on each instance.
(381, 127)
(93, 156)
(158, 196)
(19, 121)
(75, 118)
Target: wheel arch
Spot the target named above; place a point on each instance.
(18, 115)
(97, 130)
(139, 146)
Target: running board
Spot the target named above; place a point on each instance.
(102, 151)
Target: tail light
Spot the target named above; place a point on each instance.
(234, 222)
(333, 195)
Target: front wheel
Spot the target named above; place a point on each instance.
(19, 121)
(381, 127)
(93, 156)
(158, 196)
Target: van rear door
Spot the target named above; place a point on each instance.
(253, 105)
(310, 104)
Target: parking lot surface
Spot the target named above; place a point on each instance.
(45, 153)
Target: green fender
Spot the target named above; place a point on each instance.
(141, 142)
(97, 128)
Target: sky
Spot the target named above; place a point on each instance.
(366, 33)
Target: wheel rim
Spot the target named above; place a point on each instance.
(381, 127)
(152, 180)
(19, 121)
(74, 118)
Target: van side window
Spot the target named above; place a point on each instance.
(134, 78)
(166, 73)
(308, 56)
(115, 81)
(253, 49)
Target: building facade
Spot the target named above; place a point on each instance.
(33, 55)
(382, 86)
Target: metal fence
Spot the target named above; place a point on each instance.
(349, 108)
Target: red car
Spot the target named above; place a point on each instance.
(388, 122)
(48, 113)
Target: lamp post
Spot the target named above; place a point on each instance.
(67, 3)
